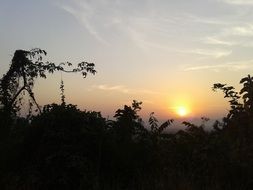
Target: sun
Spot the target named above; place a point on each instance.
(181, 107)
(182, 111)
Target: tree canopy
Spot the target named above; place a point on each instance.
(26, 66)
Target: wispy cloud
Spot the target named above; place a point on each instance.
(235, 35)
(246, 30)
(204, 20)
(216, 41)
(118, 88)
(141, 40)
(232, 66)
(152, 31)
(123, 89)
(238, 2)
(209, 52)
(150, 28)
(83, 14)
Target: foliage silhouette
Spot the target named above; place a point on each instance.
(66, 148)
(26, 66)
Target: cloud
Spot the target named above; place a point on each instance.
(206, 67)
(203, 20)
(83, 15)
(232, 66)
(123, 89)
(209, 52)
(242, 30)
(233, 35)
(150, 28)
(238, 2)
(141, 40)
(216, 41)
(118, 88)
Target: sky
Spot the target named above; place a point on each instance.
(165, 53)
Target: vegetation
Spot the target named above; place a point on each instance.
(62, 147)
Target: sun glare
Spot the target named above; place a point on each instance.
(182, 111)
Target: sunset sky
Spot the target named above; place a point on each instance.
(165, 53)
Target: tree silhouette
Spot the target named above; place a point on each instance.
(238, 108)
(247, 93)
(234, 97)
(237, 128)
(66, 148)
(25, 67)
(154, 126)
(128, 122)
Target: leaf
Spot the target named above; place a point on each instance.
(245, 79)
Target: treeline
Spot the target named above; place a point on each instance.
(62, 147)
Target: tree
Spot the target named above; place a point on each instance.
(128, 121)
(25, 67)
(155, 128)
(247, 93)
(234, 97)
(238, 125)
